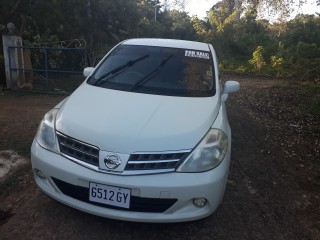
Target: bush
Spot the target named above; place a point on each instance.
(257, 59)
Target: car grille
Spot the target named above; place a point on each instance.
(159, 161)
(75, 149)
(138, 163)
(137, 204)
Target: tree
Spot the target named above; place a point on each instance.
(283, 8)
(149, 9)
(277, 64)
(203, 30)
(222, 14)
(181, 27)
(250, 32)
(271, 7)
(307, 61)
(257, 59)
(300, 39)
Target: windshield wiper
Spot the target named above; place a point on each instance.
(152, 74)
(119, 69)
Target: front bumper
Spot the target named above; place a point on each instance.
(61, 173)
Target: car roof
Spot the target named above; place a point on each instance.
(173, 43)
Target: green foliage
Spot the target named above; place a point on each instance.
(257, 59)
(300, 39)
(202, 29)
(242, 69)
(277, 65)
(181, 25)
(307, 61)
(290, 49)
(223, 14)
(277, 62)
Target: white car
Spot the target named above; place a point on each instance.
(145, 138)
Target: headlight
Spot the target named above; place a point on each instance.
(46, 136)
(208, 154)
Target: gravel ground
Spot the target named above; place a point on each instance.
(273, 188)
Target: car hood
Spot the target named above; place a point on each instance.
(125, 122)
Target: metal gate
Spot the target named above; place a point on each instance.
(49, 69)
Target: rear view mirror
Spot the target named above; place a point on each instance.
(229, 87)
(87, 71)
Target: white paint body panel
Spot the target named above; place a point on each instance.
(184, 186)
(128, 122)
(125, 122)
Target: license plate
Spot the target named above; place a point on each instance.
(110, 195)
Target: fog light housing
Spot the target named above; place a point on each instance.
(40, 174)
(200, 202)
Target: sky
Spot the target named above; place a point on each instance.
(199, 7)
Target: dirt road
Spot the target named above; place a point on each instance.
(273, 190)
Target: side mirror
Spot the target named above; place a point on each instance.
(229, 87)
(87, 71)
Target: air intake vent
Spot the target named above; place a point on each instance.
(72, 148)
(160, 161)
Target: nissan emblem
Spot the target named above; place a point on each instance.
(112, 161)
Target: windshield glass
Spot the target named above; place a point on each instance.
(157, 70)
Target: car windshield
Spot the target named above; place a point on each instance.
(157, 70)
